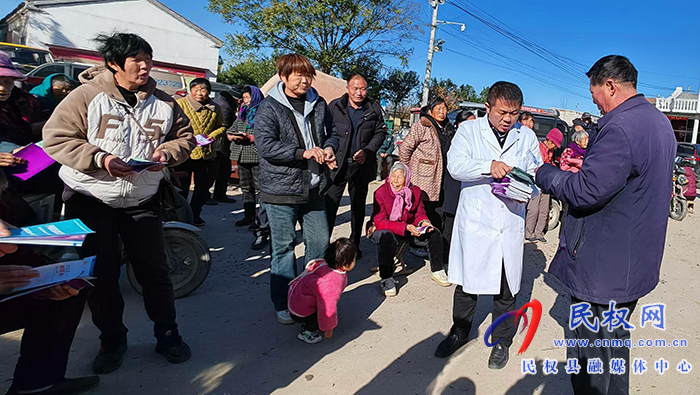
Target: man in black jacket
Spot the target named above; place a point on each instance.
(361, 130)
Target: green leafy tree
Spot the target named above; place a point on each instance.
(398, 85)
(250, 71)
(370, 68)
(483, 95)
(453, 93)
(329, 32)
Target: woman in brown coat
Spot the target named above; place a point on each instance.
(424, 150)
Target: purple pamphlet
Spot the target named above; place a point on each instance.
(37, 160)
(203, 140)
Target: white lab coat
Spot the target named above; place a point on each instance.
(488, 230)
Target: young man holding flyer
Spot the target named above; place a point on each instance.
(118, 115)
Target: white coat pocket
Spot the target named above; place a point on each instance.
(472, 216)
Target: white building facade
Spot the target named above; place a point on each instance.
(683, 110)
(75, 23)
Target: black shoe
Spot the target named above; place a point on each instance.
(261, 240)
(198, 221)
(245, 221)
(109, 358)
(254, 226)
(452, 343)
(224, 199)
(174, 349)
(541, 239)
(499, 357)
(531, 240)
(211, 202)
(67, 386)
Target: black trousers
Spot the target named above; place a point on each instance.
(223, 174)
(204, 175)
(358, 185)
(141, 232)
(448, 224)
(310, 322)
(431, 209)
(390, 159)
(604, 383)
(388, 244)
(465, 306)
(49, 327)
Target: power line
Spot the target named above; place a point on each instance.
(568, 65)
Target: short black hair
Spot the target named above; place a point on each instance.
(246, 89)
(200, 81)
(340, 253)
(525, 115)
(119, 46)
(616, 67)
(434, 102)
(463, 116)
(506, 91)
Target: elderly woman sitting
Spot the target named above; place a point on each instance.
(400, 216)
(572, 157)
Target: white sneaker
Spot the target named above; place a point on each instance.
(440, 277)
(284, 318)
(310, 337)
(388, 286)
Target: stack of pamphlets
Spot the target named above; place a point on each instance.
(517, 185)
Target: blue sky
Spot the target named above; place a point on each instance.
(659, 38)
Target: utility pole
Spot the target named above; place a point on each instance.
(433, 47)
(431, 50)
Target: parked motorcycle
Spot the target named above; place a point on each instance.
(555, 213)
(679, 204)
(188, 257)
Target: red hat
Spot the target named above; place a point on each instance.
(555, 135)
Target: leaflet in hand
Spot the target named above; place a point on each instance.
(70, 233)
(139, 165)
(58, 273)
(424, 229)
(37, 160)
(202, 140)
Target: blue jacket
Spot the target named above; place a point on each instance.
(614, 233)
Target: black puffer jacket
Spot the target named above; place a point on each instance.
(284, 173)
(371, 133)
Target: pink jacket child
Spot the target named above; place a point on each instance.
(313, 296)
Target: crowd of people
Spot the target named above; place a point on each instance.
(296, 156)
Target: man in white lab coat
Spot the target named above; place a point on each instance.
(486, 254)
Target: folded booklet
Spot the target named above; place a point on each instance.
(76, 273)
(203, 140)
(65, 233)
(140, 165)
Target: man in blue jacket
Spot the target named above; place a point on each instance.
(613, 238)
